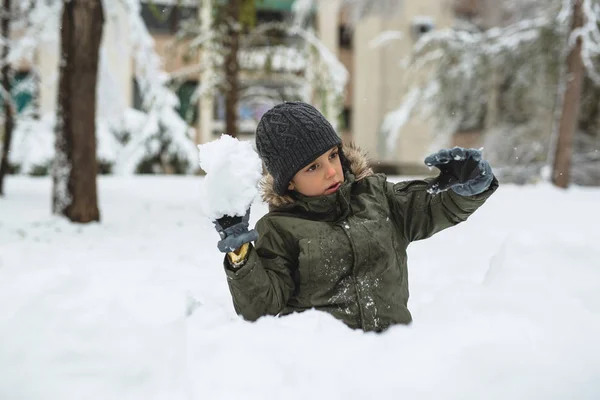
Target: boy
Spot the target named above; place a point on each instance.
(336, 234)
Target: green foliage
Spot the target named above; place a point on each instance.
(248, 14)
(172, 164)
(40, 170)
(186, 109)
(104, 167)
(21, 91)
(162, 12)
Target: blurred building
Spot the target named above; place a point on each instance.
(376, 85)
(163, 19)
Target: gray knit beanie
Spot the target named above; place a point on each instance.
(290, 136)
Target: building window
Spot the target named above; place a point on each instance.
(265, 16)
(23, 89)
(187, 109)
(160, 18)
(421, 26)
(275, 36)
(138, 101)
(276, 5)
(347, 119)
(345, 37)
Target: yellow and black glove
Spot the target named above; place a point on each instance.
(238, 258)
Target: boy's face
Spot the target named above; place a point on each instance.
(323, 176)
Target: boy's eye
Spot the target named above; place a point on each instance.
(333, 155)
(312, 168)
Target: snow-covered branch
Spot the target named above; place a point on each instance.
(159, 102)
(590, 36)
(301, 54)
(384, 38)
(360, 9)
(459, 71)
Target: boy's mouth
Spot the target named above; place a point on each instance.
(333, 188)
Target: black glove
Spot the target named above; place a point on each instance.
(234, 232)
(461, 170)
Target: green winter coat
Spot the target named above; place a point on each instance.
(343, 253)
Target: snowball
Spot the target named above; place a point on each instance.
(233, 170)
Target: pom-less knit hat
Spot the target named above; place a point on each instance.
(290, 136)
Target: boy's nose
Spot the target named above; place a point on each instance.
(330, 172)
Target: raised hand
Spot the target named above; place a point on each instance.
(234, 232)
(462, 170)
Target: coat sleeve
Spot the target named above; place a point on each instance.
(420, 214)
(263, 285)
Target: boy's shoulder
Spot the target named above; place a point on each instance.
(375, 179)
(374, 183)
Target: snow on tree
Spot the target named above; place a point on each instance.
(164, 135)
(22, 28)
(161, 134)
(502, 80)
(361, 9)
(8, 107)
(326, 77)
(288, 50)
(33, 148)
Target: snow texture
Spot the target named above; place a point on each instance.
(302, 10)
(34, 139)
(359, 10)
(395, 120)
(514, 314)
(40, 26)
(233, 170)
(385, 38)
(159, 101)
(60, 169)
(33, 143)
(590, 35)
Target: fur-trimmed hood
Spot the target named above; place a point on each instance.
(359, 166)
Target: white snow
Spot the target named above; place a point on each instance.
(159, 101)
(280, 58)
(34, 140)
(590, 35)
(423, 20)
(33, 143)
(394, 121)
(505, 306)
(302, 10)
(233, 170)
(385, 38)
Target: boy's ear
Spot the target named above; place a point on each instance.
(291, 186)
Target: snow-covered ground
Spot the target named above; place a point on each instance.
(505, 306)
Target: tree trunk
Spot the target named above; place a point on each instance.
(75, 165)
(232, 70)
(570, 112)
(8, 104)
